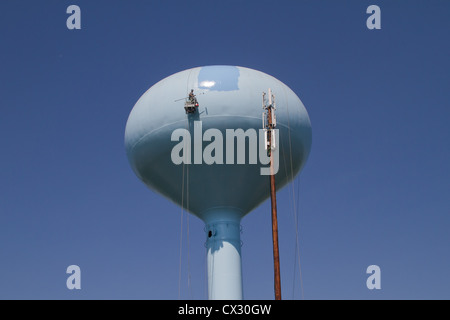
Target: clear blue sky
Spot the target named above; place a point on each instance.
(375, 189)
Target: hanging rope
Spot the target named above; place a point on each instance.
(206, 274)
(293, 212)
(185, 171)
(295, 206)
(187, 234)
(187, 209)
(297, 237)
(181, 233)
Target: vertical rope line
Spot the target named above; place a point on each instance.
(187, 202)
(293, 196)
(298, 240)
(182, 203)
(206, 274)
(181, 232)
(187, 234)
(282, 146)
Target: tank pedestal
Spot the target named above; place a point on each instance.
(223, 245)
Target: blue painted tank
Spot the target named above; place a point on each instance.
(229, 98)
(222, 191)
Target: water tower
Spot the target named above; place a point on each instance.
(160, 131)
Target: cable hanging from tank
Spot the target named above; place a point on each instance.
(295, 207)
(185, 172)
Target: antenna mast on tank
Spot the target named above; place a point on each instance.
(269, 124)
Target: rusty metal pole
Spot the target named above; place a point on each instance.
(273, 198)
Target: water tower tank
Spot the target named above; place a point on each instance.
(222, 192)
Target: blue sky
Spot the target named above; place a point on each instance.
(374, 190)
